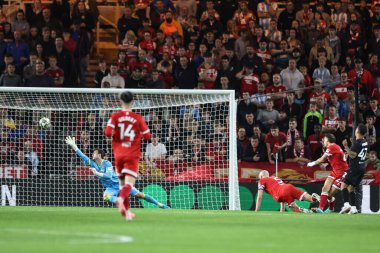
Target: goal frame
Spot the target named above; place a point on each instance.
(233, 183)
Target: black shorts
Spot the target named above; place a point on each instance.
(353, 177)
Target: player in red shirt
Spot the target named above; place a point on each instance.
(126, 129)
(281, 192)
(334, 154)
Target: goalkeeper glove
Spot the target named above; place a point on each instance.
(71, 142)
(311, 164)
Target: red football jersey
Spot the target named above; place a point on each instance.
(330, 123)
(271, 185)
(127, 128)
(336, 158)
(249, 84)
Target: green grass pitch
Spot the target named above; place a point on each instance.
(55, 230)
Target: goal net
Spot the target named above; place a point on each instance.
(190, 162)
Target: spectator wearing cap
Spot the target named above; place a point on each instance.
(40, 79)
(363, 76)
(127, 22)
(248, 79)
(291, 76)
(170, 26)
(115, 80)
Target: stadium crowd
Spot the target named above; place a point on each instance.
(292, 64)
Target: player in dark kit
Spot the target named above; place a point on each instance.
(354, 175)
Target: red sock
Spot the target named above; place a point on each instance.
(323, 201)
(126, 190)
(332, 204)
(297, 210)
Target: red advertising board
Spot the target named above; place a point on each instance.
(15, 172)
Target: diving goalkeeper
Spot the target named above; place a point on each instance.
(103, 170)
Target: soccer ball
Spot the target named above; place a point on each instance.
(45, 123)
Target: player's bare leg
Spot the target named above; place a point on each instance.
(325, 194)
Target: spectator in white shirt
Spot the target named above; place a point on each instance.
(114, 78)
(154, 151)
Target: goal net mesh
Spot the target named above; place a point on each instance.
(188, 166)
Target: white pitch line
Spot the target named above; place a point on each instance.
(95, 237)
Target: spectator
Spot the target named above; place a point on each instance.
(155, 82)
(85, 18)
(286, 17)
(20, 24)
(170, 26)
(266, 10)
(30, 69)
(115, 80)
(207, 73)
(322, 72)
(55, 72)
(40, 79)
(268, 116)
(185, 74)
(292, 109)
(46, 42)
(242, 142)
(292, 134)
(330, 122)
(372, 163)
(251, 59)
(191, 6)
(341, 106)
(248, 79)
(342, 133)
(60, 9)
(34, 13)
(197, 152)
(127, 22)
(64, 61)
(315, 142)
(81, 53)
(300, 153)
(291, 76)
(3, 50)
(260, 97)
(366, 78)
(275, 142)
(243, 15)
(255, 151)
(19, 50)
(311, 118)
(101, 73)
(136, 79)
(370, 123)
(216, 151)
(49, 21)
(276, 91)
(10, 78)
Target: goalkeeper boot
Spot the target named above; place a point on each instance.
(304, 210)
(315, 197)
(129, 215)
(346, 208)
(319, 210)
(327, 211)
(119, 203)
(164, 206)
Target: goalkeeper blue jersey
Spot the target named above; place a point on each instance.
(109, 178)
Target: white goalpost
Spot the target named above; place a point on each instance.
(190, 163)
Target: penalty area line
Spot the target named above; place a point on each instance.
(97, 238)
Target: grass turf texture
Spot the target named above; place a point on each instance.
(51, 229)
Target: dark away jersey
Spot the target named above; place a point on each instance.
(360, 147)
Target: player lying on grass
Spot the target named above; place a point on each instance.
(354, 175)
(281, 192)
(334, 154)
(103, 170)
